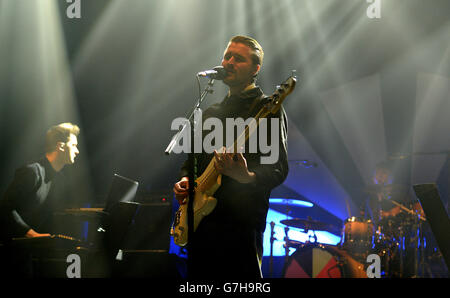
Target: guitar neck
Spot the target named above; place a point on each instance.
(209, 176)
(273, 104)
(242, 139)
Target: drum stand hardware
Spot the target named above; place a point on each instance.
(419, 247)
(286, 245)
(272, 239)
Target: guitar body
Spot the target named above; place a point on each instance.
(204, 204)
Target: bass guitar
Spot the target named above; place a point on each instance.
(210, 180)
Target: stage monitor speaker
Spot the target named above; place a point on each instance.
(436, 215)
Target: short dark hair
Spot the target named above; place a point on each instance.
(59, 133)
(258, 53)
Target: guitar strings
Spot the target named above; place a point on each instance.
(210, 169)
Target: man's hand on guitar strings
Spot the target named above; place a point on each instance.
(233, 165)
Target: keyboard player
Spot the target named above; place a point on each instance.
(29, 199)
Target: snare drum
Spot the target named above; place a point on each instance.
(357, 236)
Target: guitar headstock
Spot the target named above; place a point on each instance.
(283, 90)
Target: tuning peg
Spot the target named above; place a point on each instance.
(294, 73)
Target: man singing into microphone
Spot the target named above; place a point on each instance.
(228, 242)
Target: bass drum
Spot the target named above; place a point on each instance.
(322, 261)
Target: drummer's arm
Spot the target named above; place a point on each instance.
(393, 212)
(418, 209)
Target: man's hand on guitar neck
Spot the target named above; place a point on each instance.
(233, 165)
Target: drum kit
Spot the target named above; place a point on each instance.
(399, 241)
(312, 259)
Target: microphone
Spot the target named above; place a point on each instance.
(217, 73)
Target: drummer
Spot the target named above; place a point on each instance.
(383, 192)
(393, 220)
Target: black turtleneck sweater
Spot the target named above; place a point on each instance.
(229, 240)
(27, 202)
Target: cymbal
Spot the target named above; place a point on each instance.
(293, 202)
(288, 206)
(307, 224)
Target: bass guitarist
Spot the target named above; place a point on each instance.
(228, 243)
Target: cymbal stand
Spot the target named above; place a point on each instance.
(272, 239)
(401, 247)
(379, 210)
(421, 251)
(286, 246)
(314, 236)
(416, 240)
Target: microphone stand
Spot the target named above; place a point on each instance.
(192, 163)
(177, 136)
